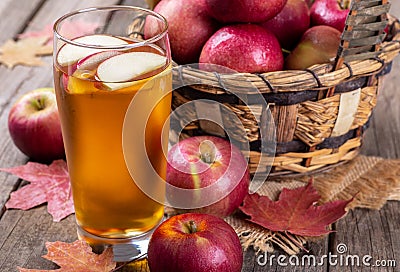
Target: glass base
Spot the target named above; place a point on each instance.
(124, 249)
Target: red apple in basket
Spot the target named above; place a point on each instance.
(319, 44)
(208, 162)
(329, 12)
(189, 27)
(34, 125)
(244, 48)
(244, 11)
(290, 24)
(196, 243)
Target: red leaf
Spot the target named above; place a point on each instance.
(77, 256)
(48, 183)
(295, 211)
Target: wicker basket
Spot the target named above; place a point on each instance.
(320, 113)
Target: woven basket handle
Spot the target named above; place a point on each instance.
(363, 33)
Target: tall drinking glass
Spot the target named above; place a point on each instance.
(97, 74)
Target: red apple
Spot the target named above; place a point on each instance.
(244, 48)
(329, 12)
(196, 243)
(203, 161)
(290, 24)
(189, 27)
(34, 125)
(244, 11)
(319, 44)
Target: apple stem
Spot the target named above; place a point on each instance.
(39, 103)
(207, 158)
(344, 4)
(191, 227)
(207, 152)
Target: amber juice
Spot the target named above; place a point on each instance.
(107, 201)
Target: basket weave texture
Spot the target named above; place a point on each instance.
(319, 114)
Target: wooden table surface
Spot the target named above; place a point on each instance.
(23, 233)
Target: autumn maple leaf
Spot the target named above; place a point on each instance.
(77, 256)
(24, 51)
(48, 183)
(295, 211)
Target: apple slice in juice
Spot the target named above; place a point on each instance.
(84, 69)
(81, 82)
(83, 72)
(91, 62)
(70, 53)
(122, 70)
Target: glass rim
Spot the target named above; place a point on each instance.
(151, 40)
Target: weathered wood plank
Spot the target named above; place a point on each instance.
(382, 139)
(368, 232)
(14, 18)
(27, 232)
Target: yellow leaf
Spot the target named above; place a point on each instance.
(24, 51)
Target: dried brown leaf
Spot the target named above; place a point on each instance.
(77, 256)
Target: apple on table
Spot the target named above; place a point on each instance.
(196, 243)
(34, 125)
(203, 161)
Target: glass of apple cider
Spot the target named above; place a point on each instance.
(96, 75)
